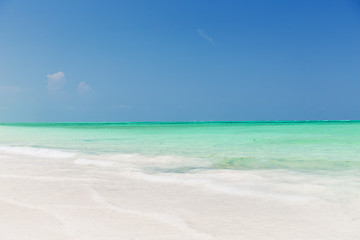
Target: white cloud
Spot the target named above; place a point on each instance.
(56, 81)
(84, 89)
(202, 33)
(56, 76)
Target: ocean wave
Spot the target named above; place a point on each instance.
(160, 163)
(36, 152)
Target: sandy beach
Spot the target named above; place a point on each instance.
(42, 199)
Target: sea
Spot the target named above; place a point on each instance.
(311, 147)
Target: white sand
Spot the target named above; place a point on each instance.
(42, 199)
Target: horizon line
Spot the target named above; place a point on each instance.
(182, 122)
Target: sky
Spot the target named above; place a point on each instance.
(179, 60)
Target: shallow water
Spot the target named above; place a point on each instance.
(297, 146)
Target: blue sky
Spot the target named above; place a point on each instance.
(179, 60)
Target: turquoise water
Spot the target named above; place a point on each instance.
(196, 146)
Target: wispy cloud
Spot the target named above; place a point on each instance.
(56, 81)
(8, 89)
(203, 34)
(11, 95)
(120, 106)
(84, 89)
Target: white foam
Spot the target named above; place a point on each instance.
(144, 159)
(36, 152)
(141, 162)
(85, 161)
